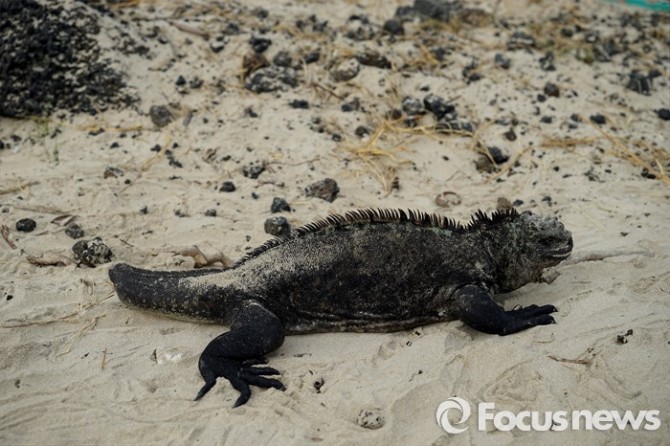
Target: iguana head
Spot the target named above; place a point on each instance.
(535, 243)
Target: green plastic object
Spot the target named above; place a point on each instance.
(655, 5)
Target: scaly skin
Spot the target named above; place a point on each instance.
(370, 270)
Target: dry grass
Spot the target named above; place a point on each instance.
(382, 152)
(636, 152)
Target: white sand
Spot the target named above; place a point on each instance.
(78, 367)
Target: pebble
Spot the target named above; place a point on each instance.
(394, 27)
(160, 115)
(597, 119)
(277, 226)
(26, 225)
(646, 174)
(510, 135)
(552, 90)
(112, 172)
(91, 253)
(259, 44)
(497, 155)
(448, 199)
(217, 45)
(520, 40)
(371, 418)
(326, 189)
(663, 113)
(438, 105)
(74, 230)
(503, 62)
(272, 78)
(299, 103)
(282, 59)
(361, 131)
(345, 70)
(639, 83)
(547, 62)
(373, 59)
(413, 106)
(353, 105)
(227, 186)
(437, 9)
(253, 170)
(279, 205)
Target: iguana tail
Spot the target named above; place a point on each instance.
(166, 291)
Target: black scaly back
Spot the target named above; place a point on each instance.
(385, 216)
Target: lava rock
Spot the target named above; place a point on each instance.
(552, 90)
(441, 10)
(361, 131)
(547, 62)
(394, 27)
(326, 189)
(74, 230)
(438, 105)
(646, 174)
(282, 59)
(50, 59)
(345, 70)
(253, 170)
(299, 103)
(497, 155)
(227, 186)
(217, 45)
(520, 40)
(413, 106)
(272, 78)
(279, 205)
(597, 119)
(663, 113)
(510, 135)
(91, 253)
(503, 62)
(160, 115)
(26, 225)
(639, 83)
(259, 44)
(351, 106)
(373, 59)
(277, 226)
(371, 419)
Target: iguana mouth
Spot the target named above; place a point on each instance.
(561, 253)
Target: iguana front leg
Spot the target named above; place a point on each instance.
(254, 331)
(476, 308)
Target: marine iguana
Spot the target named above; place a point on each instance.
(367, 270)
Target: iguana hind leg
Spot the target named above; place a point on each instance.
(254, 331)
(476, 308)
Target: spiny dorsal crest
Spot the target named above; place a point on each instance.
(389, 216)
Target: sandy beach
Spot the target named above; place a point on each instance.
(167, 130)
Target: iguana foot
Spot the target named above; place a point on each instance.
(254, 331)
(241, 375)
(532, 311)
(476, 307)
